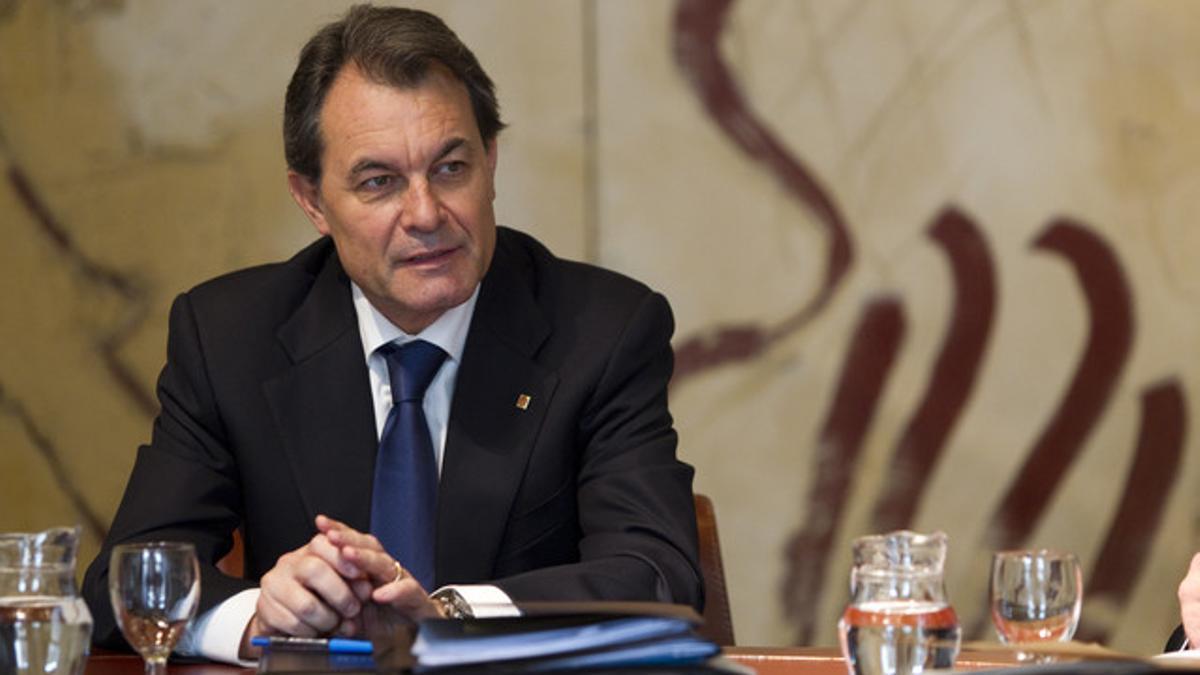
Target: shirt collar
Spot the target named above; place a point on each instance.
(449, 331)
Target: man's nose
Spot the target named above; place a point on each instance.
(421, 209)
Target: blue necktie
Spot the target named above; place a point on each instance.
(404, 499)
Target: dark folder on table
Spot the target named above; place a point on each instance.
(548, 637)
(566, 636)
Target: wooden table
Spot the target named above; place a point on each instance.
(828, 660)
(111, 663)
(765, 660)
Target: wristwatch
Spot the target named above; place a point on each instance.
(452, 604)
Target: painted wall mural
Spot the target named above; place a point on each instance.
(953, 374)
(931, 261)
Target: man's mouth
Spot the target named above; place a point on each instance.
(429, 257)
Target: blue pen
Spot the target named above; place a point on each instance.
(331, 645)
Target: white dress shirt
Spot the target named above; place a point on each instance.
(217, 634)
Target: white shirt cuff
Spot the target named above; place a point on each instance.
(217, 634)
(486, 601)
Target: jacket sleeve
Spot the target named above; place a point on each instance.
(634, 497)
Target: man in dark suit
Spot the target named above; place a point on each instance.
(557, 474)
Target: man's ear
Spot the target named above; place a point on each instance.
(308, 196)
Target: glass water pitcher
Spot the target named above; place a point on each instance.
(45, 627)
(899, 620)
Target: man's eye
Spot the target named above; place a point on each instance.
(451, 168)
(375, 183)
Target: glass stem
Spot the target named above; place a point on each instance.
(156, 666)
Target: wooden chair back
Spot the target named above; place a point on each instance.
(718, 621)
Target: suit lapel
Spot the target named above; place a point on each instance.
(322, 405)
(490, 437)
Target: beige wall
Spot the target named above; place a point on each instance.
(140, 139)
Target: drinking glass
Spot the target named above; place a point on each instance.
(154, 589)
(1036, 596)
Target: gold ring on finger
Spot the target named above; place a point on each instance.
(400, 574)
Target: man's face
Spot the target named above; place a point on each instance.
(406, 193)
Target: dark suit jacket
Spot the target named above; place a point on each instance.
(1175, 642)
(267, 421)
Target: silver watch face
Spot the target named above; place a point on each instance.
(462, 609)
(453, 604)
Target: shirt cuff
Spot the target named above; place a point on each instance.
(486, 601)
(217, 634)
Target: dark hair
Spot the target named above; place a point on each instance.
(391, 45)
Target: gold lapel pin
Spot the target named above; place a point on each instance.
(523, 401)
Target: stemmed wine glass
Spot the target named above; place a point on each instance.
(155, 588)
(1036, 596)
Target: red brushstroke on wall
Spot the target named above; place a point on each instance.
(1139, 516)
(954, 375)
(718, 346)
(864, 373)
(1110, 336)
(697, 32)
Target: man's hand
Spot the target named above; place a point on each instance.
(1189, 602)
(391, 584)
(321, 587)
(311, 591)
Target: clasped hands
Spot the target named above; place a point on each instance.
(322, 587)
